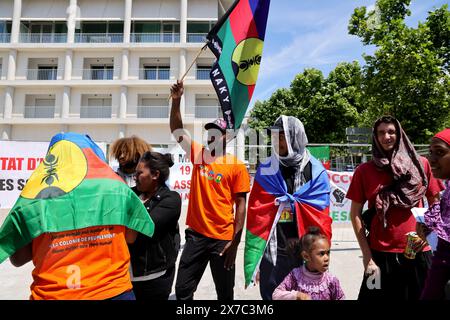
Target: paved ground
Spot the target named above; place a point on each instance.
(346, 264)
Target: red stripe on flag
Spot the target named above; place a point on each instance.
(261, 211)
(241, 21)
(250, 92)
(97, 169)
(311, 217)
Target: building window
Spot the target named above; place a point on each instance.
(43, 32)
(155, 31)
(156, 72)
(197, 31)
(100, 32)
(152, 107)
(47, 72)
(104, 72)
(207, 106)
(97, 108)
(5, 31)
(39, 107)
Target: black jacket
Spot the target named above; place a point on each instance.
(158, 253)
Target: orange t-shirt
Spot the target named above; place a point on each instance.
(212, 195)
(85, 264)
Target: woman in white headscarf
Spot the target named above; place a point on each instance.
(289, 142)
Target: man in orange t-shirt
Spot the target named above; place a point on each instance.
(219, 181)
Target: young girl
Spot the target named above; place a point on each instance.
(437, 219)
(312, 281)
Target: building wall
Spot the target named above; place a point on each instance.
(36, 132)
(2, 102)
(26, 60)
(202, 10)
(101, 9)
(29, 55)
(156, 10)
(44, 9)
(21, 93)
(6, 9)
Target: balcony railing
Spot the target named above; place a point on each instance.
(99, 37)
(42, 74)
(207, 112)
(202, 74)
(39, 112)
(43, 37)
(104, 112)
(154, 74)
(196, 37)
(98, 74)
(155, 37)
(5, 37)
(152, 112)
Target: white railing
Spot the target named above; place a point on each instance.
(98, 74)
(196, 37)
(152, 112)
(104, 112)
(155, 37)
(99, 37)
(5, 37)
(42, 74)
(43, 37)
(154, 74)
(39, 112)
(204, 112)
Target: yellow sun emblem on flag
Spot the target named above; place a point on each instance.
(247, 58)
(62, 170)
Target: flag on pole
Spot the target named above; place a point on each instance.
(73, 188)
(237, 42)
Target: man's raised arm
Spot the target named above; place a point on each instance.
(176, 122)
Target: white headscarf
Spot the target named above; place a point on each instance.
(296, 139)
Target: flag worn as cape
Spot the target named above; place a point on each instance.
(73, 188)
(267, 200)
(237, 42)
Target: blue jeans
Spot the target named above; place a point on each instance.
(127, 295)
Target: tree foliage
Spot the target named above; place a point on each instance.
(407, 76)
(326, 106)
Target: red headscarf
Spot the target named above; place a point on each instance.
(444, 135)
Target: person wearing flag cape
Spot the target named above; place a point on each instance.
(73, 220)
(290, 193)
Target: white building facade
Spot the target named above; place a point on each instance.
(103, 67)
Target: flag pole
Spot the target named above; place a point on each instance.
(192, 64)
(193, 61)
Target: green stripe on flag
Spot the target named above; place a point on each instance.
(239, 102)
(95, 202)
(254, 250)
(228, 45)
(238, 91)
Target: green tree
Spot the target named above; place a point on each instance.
(407, 76)
(326, 106)
(264, 113)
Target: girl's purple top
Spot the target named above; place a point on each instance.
(319, 286)
(437, 218)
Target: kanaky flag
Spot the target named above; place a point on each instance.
(270, 203)
(73, 188)
(237, 42)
